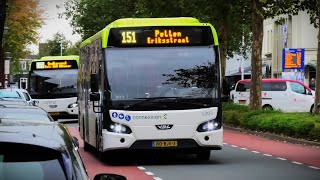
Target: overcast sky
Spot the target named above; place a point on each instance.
(53, 24)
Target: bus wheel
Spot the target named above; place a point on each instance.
(86, 146)
(267, 108)
(203, 155)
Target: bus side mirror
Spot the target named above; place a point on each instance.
(94, 82)
(94, 97)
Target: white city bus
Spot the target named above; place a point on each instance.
(53, 85)
(151, 84)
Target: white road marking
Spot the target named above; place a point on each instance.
(295, 162)
(283, 159)
(149, 173)
(157, 178)
(244, 148)
(313, 167)
(255, 152)
(234, 146)
(269, 155)
(141, 168)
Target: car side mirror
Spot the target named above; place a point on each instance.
(94, 82)
(94, 97)
(75, 141)
(32, 103)
(109, 177)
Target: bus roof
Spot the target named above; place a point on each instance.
(71, 57)
(139, 22)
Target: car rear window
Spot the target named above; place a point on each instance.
(24, 114)
(21, 162)
(10, 94)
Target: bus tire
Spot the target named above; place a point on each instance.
(86, 146)
(203, 155)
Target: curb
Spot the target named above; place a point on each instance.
(275, 137)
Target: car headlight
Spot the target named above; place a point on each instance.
(73, 105)
(209, 126)
(118, 128)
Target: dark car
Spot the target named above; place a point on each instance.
(23, 112)
(41, 151)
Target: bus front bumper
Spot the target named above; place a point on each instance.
(210, 140)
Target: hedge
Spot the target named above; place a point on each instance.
(297, 125)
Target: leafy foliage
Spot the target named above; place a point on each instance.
(302, 125)
(52, 47)
(23, 20)
(90, 16)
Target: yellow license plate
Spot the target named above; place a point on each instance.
(54, 113)
(164, 143)
(242, 101)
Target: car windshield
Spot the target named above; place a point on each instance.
(24, 162)
(24, 114)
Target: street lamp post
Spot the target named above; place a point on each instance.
(7, 68)
(61, 48)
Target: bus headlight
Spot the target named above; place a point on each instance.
(209, 126)
(73, 105)
(119, 128)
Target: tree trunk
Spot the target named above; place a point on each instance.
(317, 93)
(256, 59)
(223, 59)
(224, 29)
(3, 7)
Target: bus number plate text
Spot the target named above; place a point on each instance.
(164, 144)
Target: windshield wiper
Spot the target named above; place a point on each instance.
(146, 100)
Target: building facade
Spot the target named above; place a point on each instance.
(290, 32)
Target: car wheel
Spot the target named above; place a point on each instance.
(312, 109)
(204, 155)
(267, 108)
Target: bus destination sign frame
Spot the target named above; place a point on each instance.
(54, 64)
(161, 36)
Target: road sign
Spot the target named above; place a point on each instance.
(293, 59)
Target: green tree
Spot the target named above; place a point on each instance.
(313, 8)
(226, 15)
(88, 16)
(24, 18)
(260, 10)
(52, 47)
(73, 49)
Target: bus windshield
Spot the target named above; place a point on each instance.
(182, 72)
(58, 83)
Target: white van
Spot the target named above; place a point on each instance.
(281, 94)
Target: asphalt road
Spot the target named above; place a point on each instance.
(239, 159)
